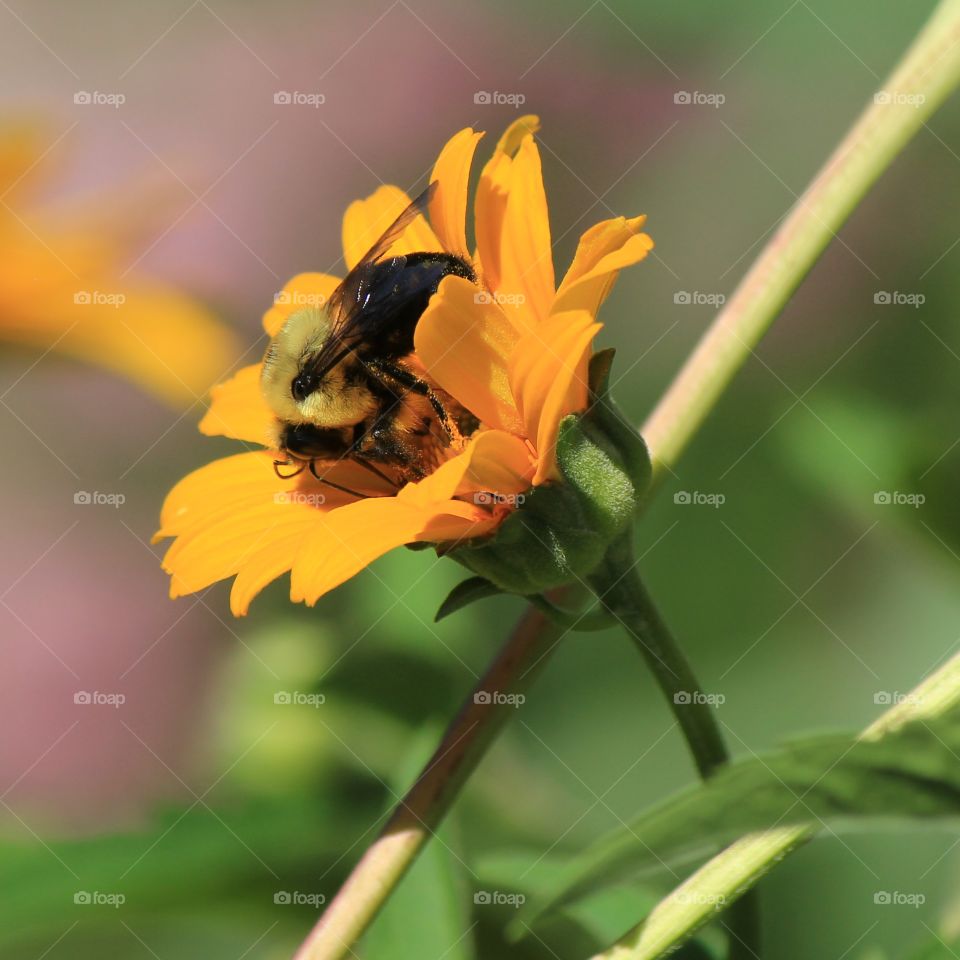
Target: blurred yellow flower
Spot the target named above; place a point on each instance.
(513, 350)
(63, 287)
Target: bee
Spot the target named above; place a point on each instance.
(343, 380)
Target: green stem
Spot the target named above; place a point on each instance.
(417, 816)
(926, 75)
(735, 870)
(622, 592)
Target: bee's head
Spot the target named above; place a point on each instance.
(294, 392)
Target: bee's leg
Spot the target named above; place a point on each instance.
(331, 483)
(381, 368)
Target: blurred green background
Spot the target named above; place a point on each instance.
(801, 599)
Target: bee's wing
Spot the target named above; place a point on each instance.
(346, 301)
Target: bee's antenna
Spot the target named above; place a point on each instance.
(277, 464)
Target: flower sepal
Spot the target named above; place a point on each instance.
(562, 530)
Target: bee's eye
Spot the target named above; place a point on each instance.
(301, 388)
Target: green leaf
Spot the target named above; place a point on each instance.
(427, 914)
(242, 857)
(911, 772)
(465, 593)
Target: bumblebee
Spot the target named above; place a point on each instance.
(343, 380)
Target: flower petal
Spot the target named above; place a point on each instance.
(142, 337)
(526, 286)
(549, 375)
(603, 250)
(448, 206)
(344, 541)
(366, 220)
(304, 290)
(238, 409)
(464, 340)
(492, 461)
(492, 192)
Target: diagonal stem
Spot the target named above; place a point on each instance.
(416, 818)
(622, 592)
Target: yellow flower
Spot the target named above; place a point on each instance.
(513, 350)
(63, 286)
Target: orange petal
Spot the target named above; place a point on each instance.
(163, 341)
(366, 220)
(492, 192)
(238, 409)
(549, 375)
(603, 250)
(464, 341)
(526, 286)
(344, 541)
(492, 461)
(304, 290)
(236, 517)
(448, 207)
